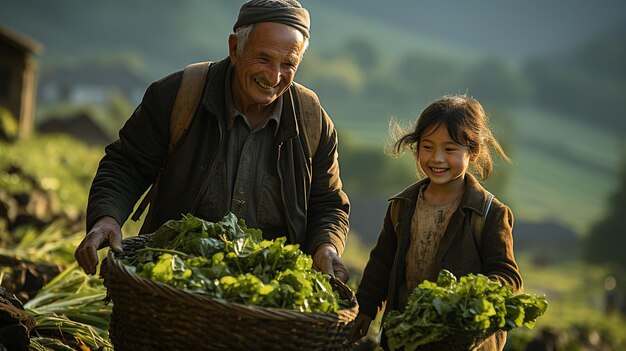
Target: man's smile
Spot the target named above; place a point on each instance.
(262, 84)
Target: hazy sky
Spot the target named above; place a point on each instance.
(514, 29)
(517, 29)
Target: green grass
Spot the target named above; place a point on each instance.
(575, 293)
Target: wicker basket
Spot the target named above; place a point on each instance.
(149, 315)
(459, 341)
(463, 343)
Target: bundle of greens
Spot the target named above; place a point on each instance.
(473, 306)
(70, 313)
(31, 257)
(229, 261)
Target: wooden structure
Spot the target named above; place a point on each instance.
(18, 77)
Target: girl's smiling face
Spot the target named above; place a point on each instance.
(442, 159)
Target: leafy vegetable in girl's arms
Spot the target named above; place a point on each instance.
(472, 305)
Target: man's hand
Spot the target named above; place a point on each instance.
(106, 232)
(327, 261)
(360, 327)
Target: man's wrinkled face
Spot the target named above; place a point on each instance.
(267, 65)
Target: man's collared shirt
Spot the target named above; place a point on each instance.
(246, 180)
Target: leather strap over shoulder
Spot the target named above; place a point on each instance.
(311, 116)
(478, 222)
(185, 106)
(187, 100)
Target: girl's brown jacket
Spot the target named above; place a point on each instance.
(459, 252)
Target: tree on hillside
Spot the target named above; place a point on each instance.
(588, 83)
(607, 238)
(504, 129)
(364, 52)
(495, 81)
(367, 170)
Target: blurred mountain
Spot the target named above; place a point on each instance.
(517, 30)
(588, 82)
(159, 35)
(565, 55)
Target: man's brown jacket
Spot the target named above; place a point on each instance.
(316, 206)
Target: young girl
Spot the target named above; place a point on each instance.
(430, 225)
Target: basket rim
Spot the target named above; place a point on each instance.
(115, 269)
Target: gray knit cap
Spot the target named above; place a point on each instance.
(290, 13)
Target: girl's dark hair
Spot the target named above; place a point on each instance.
(467, 125)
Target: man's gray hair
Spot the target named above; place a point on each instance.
(243, 34)
(274, 3)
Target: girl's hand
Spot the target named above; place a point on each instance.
(360, 327)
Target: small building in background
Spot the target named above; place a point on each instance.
(79, 124)
(18, 78)
(546, 242)
(90, 84)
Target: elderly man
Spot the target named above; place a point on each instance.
(246, 151)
